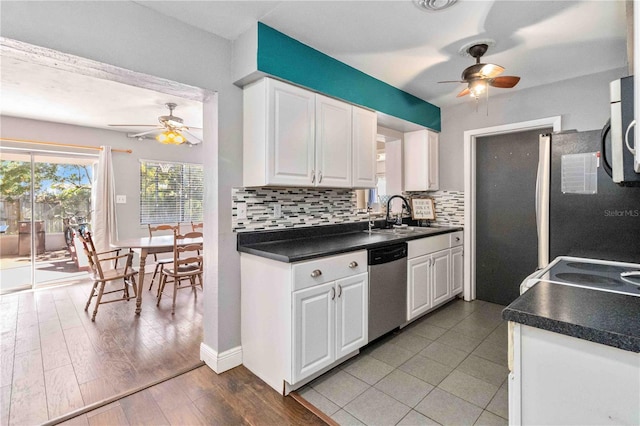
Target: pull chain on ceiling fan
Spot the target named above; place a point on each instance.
(479, 76)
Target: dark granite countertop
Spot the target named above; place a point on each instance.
(294, 245)
(602, 317)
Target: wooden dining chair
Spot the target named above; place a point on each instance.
(197, 226)
(160, 262)
(104, 269)
(186, 266)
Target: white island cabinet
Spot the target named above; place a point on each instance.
(562, 380)
(298, 138)
(300, 319)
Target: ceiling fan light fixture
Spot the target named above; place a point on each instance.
(477, 88)
(434, 5)
(171, 137)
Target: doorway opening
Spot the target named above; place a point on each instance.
(470, 140)
(70, 347)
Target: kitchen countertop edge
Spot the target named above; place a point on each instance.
(575, 314)
(324, 244)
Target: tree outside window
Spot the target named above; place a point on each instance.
(170, 192)
(60, 191)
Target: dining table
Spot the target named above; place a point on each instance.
(145, 246)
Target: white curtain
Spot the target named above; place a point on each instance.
(104, 226)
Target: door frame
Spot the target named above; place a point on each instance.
(470, 139)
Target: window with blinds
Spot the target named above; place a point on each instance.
(170, 192)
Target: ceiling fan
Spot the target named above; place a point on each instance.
(479, 77)
(171, 130)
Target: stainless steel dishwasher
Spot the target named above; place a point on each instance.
(387, 289)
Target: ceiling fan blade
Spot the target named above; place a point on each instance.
(191, 127)
(491, 70)
(452, 81)
(138, 135)
(131, 125)
(465, 92)
(505, 82)
(195, 141)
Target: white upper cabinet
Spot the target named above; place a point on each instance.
(294, 137)
(333, 143)
(421, 161)
(279, 134)
(365, 129)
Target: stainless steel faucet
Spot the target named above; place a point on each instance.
(405, 204)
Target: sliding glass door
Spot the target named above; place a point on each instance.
(45, 198)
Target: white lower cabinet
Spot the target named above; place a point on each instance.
(329, 322)
(299, 319)
(441, 282)
(314, 324)
(434, 272)
(419, 284)
(457, 270)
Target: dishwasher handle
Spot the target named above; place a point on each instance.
(387, 254)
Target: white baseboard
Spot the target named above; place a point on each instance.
(223, 361)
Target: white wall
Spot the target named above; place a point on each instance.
(126, 166)
(130, 36)
(582, 102)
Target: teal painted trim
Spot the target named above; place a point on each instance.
(281, 56)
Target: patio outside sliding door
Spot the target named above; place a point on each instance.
(45, 197)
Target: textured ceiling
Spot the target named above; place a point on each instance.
(394, 41)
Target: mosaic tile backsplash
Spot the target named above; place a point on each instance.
(449, 206)
(309, 206)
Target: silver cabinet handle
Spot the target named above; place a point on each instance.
(313, 176)
(353, 264)
(320, 178)
(339, 290)
(316, 273)
(333, 293)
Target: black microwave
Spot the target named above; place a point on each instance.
(618, 133)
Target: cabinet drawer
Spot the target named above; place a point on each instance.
(330, 268)
(456, 238)
(428, 245)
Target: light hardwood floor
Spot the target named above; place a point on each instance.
(54, 360)
(202, 397)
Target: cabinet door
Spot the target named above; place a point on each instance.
(291, 133)
(433, 182)
(421, 161)
(457, 268)
(333, 143)
(352, 314)
(440, 275)
(314, 312)
(365, 129)
(419, 286)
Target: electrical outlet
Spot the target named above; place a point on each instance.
(242, 211)
(277, 210)
(121, 199)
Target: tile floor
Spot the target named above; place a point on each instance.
(448, 367)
